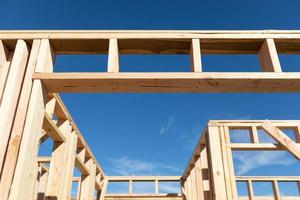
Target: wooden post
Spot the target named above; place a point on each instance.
(276, 190)
(113, 56)
(5, 60)
(250, 190)
(216, 164)
(88, 181)
(228, 163)
(130, 184)
(254, 135)
(199, 179)
(104, 188)
(268, 57)
(26, 169)
(69, 161)
(11, 95)
(195, 56)
(193, 184)
(56, 168)
(156, 186)
(18, 124)
(42, 184)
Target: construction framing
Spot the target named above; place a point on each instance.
(31, 110)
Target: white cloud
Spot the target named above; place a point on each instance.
(168, 126)
(247, 161)
(129, 167)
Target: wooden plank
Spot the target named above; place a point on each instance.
(162, 41)
(216, 164)
(69, 162)
(250, 190)
(5, 60)
(130, 189)
(254, 147)
(268, 57)
(268, 178)
(81, 166)
(103, 191)
(171, 82)
(18, 125)
(142, 178)
(113, 56)
(254, 135)
(56, 168)
(193, 184)
(26, 170)
(282, 138)
(11, 95)
(88, 182)
(199, 179)
(276, 190)
(195, 56)
(156, 186)
(52, 130)
(44, 159)
(228, 163)
(42, 184)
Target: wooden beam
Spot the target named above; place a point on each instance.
(5, 60)
(81, 166)
(142, 178)
(268, 57)
(170, 82)
(195, 56)
(56, 169)
(25, 175)
(18, 124)
(52, 130)
(113, 56)
(42, 184)
(69, 164)
(283, 139)
(88, 182)
(216, 164)
(104, 189)
(11, 95)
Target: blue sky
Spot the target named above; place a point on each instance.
(155, 133)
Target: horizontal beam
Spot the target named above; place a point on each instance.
(142, 178)
(170, 82)
(254, 147)
(267, 178)
(86, 34)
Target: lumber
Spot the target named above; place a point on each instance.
(283, 139)
(113, 56)
(19, 123)
(5, 60)
(88, 181)
(268, 57)
(52, 130)
(24, 180)
(170, 82)
(81, 166)
(216, 164)
(195, 56)
(11, 95)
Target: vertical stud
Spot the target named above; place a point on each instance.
(113, 56)
(195, 56)
(268, 57)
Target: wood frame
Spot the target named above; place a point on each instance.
(222, 179)
(31, 111)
